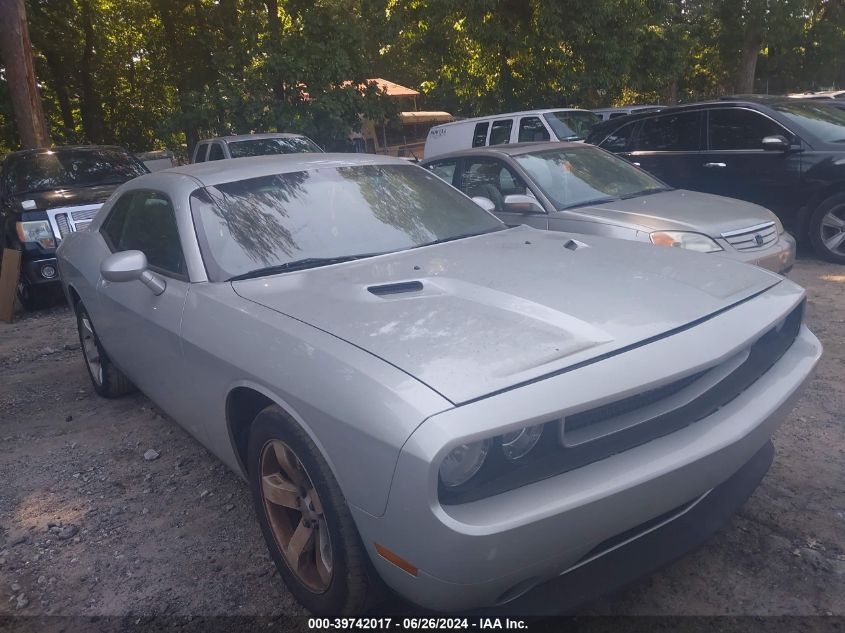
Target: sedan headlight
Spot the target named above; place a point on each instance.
(37, 231)
(517, 444)
(682, 239)
(778, 224)
(463, 463)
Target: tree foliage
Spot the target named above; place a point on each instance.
(163, 73)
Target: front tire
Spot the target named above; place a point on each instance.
(827, 229)
(305, 520)
(107, 379)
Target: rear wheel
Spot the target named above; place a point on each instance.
(305, 520)
(107, 379)
(827, 229)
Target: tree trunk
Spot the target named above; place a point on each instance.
(747, 68)
(16, 50)
(91, 106)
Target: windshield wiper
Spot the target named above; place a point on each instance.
(452, 238)
(587, 202)
(299, 264)
(644, 192)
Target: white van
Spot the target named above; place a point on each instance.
(561, 124)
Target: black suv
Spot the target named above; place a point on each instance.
(785, 154)
(46, 194)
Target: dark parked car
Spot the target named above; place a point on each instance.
(45, 194)
(787, 155)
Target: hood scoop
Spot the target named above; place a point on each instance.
(396, 289)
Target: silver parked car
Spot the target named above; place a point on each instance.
(244, 145)
(582, 189)
(420, 396)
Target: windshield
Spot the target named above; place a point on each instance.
(820, 119)
(269, 146)
(572, 177)
(328, 213)
(571, 125)
(66, 168)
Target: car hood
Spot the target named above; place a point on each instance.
(74, 196)
(483, 314)
(678, 210)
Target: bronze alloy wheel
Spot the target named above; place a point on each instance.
(90, 349)
(295, 514)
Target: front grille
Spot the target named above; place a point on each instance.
(64, 227)
(550, 458)
(83, 216)
(752, 238)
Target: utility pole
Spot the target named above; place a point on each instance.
(16, 51)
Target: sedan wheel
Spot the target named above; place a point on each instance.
(827, 229)
(296, 516)
(305, 520)
(107, 379)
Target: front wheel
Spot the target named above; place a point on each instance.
(827, 229)
(305, 520)
(107, 379)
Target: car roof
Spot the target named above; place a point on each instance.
(508, 149)
(247, 137)
(232, 169)
(62, 148)
(508, 114)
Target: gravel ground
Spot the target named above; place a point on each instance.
(109, 508)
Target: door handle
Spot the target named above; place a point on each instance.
(711, 165)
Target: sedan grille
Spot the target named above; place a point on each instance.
(755, 237)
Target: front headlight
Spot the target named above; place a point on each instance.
(37, 231)
(517, 444)
(778, 225)
(682, 239)
(463, 463)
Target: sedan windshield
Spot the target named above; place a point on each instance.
(283, 222)
(268, 146)
(571, 125)
(66, 168)
(585, 175)
(820, 119)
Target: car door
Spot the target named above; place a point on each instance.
(736, 165)
(493, 179)
(140, 330)
(670, 147)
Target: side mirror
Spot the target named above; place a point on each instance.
(522, 204)
(776, 143)
(484, 203)
(131, 266)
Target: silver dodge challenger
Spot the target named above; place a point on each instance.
(474, 416)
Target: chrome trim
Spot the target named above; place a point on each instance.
(77, 218)
(750, 229)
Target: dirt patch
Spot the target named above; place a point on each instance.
(88, 526)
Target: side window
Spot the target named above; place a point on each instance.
(148, 225)
(444, 169)
(617, 141)
(736, 128)
(616, 115)
(216, 152)
(501, 132)
(490, 179)
(112, 228)
(531, 128)
(199, 152)
(479, 136)
(671, 133)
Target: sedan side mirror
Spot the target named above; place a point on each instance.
(776, 143)
(131, 266)
(521, 203)
(484, 203)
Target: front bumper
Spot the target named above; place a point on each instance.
(779, 257)
(485, 553)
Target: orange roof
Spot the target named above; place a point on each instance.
(389, 88)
